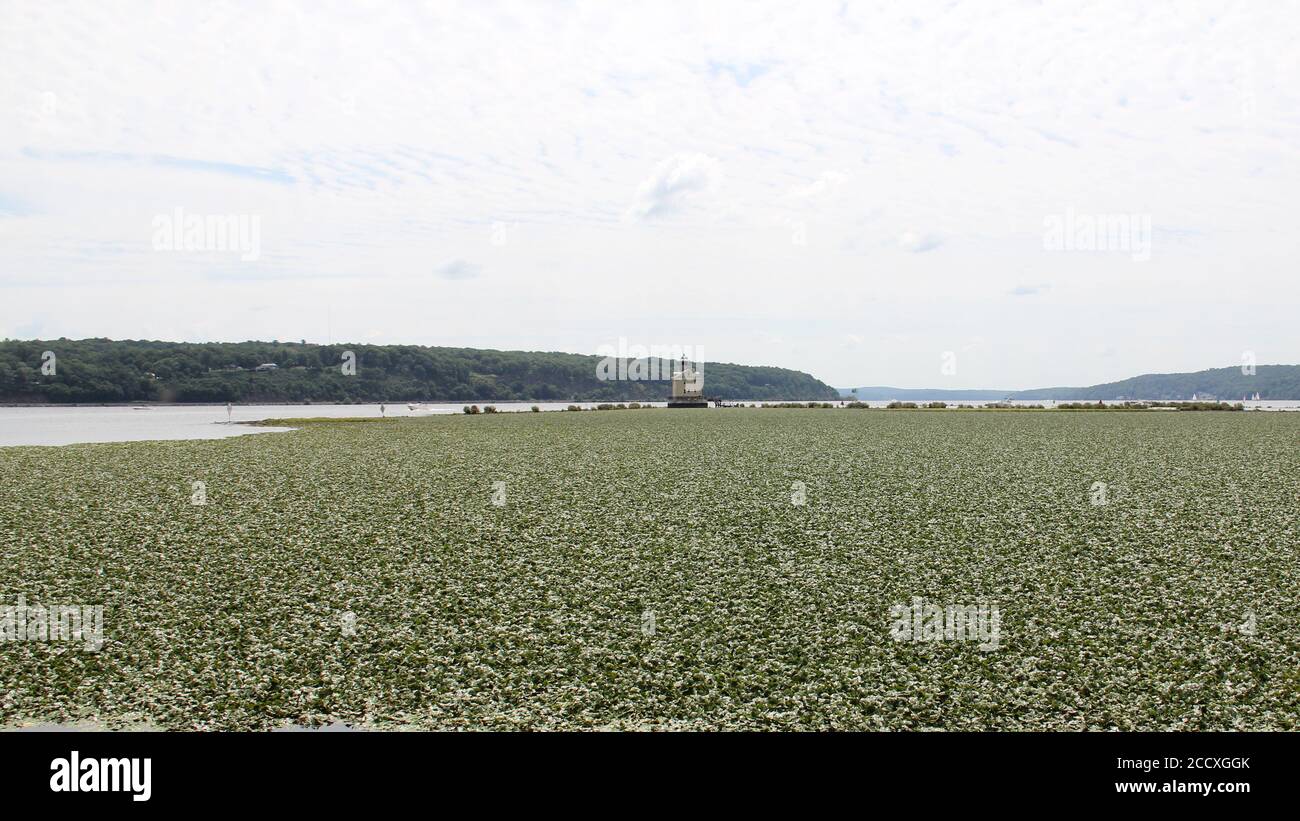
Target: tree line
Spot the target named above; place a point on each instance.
(103, 370)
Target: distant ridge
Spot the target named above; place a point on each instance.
(107, 371)
(1229, 384)
(880, 393)
(1269, 381)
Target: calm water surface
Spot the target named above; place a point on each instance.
(75, 425)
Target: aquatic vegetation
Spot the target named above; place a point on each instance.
(732, 569)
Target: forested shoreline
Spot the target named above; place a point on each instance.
(102, 371)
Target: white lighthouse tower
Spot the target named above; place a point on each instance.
(688, 388)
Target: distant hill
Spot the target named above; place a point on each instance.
(880, 393)
(1269, 381)
(102, 370)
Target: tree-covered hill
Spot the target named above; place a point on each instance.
(1269, 381)
(877, 393)
(102, 370)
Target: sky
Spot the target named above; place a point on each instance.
(995, 195)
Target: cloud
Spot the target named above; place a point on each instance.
(917, 243)
(743, 74)
(277, 175)
(676, 181)
(11, 206)
(458, 269)
(827, 183)
(1028, 290)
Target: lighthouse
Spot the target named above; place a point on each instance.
(688, 388)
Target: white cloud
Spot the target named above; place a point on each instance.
(828, 182)
(918, 243)
(458, 269)
(677, 181)
(1028, 290)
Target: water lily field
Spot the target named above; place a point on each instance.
(656, 569)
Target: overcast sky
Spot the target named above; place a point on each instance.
(848, 189)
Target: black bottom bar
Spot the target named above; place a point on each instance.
(302, 770)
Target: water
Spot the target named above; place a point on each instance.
(74, 425)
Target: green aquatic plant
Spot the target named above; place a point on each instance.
(451, 572)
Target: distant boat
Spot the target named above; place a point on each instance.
(1256, 397)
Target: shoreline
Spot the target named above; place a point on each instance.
(481, 402)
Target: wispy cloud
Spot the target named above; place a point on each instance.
(827, 182)
(675, 182)
(1028, 290)
(458, 269)
(918, 243)
(11, 206)
(742, 73)
(250, 172)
